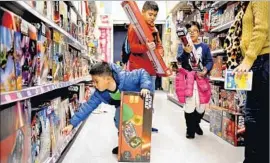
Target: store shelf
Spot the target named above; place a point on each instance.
(71, 4)
(222, 27)
(219, 51)
(10, 97)
(217, 79)
(71, 40)
(224, 109)
(67, 140)
(218, 4)
(174, 100)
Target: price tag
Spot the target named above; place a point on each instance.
(28, 93)
(19, 95)
(7, 97)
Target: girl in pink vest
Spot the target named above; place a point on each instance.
(192, 87)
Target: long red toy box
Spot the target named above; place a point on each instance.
(144, 34)
(135, 127)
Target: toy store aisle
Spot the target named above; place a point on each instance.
(98, 137)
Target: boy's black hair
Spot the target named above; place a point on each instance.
(150, 5)
(101, 68)
(193, 23)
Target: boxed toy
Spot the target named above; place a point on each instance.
(55, 124)
(215, 95)
(231, 95)
(63, 14)
(15, 136)
(135, 127)
(41, 138)
(67, 63)
(233, 128)
(216, 122)
(76, 94)
(57, 58)
(240, 101)
(7, 68)
(217, 67)
(56, 12)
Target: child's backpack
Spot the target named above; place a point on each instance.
(125, 51)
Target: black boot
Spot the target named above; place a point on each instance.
(190, 121)
(198, 116)
(115, 151)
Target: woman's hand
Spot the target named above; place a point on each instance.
(241, 69)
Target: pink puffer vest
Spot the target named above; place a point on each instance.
(184, 84)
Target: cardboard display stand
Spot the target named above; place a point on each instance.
(135, 127)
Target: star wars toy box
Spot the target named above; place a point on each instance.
(233, 128)
(216, 122)
(135, 127)
(15, 133)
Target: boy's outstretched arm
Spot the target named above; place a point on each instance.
(85, 110)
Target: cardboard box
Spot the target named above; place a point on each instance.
(135, 127)
(76, 94)
(233, 128)
(216, 122)
(15, 133)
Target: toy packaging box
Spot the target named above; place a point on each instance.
(217, 67)
(55, 124)
(41, 133)
(233, 82)
(135, 127)
(233, 128)
(76, 94)
(7, 64)
(216, 122)
(15, 136)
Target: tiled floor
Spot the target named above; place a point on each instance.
(99, 136)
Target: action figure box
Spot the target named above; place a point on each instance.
(57, 58)
(41, 133)
(231, 105)
(63, 14)
(233, 128)
(7, 63)
(67, 63)
(54, 116)
(215, 95)
(216, 122)
(56, 12)
(135, 127)
(217, 67)
(15, 136)
(76, 94)
(240, 101)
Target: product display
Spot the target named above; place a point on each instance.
(233, 128)
(135, 127)
(15, 136)
(216, 117)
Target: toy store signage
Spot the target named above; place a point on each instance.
(105, 43)
(105, 20)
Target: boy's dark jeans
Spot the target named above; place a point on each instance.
(257, 114)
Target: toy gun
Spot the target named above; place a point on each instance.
(145, 35)
(194, 61)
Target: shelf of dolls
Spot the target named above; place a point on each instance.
(55, 157)
(222, 27)
(71, 40)
(9, 97)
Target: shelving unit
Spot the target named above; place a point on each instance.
(71, 4)
(66, 142)
(222, 27)
(218, 51)
(218, 4)
(10, 97)
(70, 40)
(217, 79)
